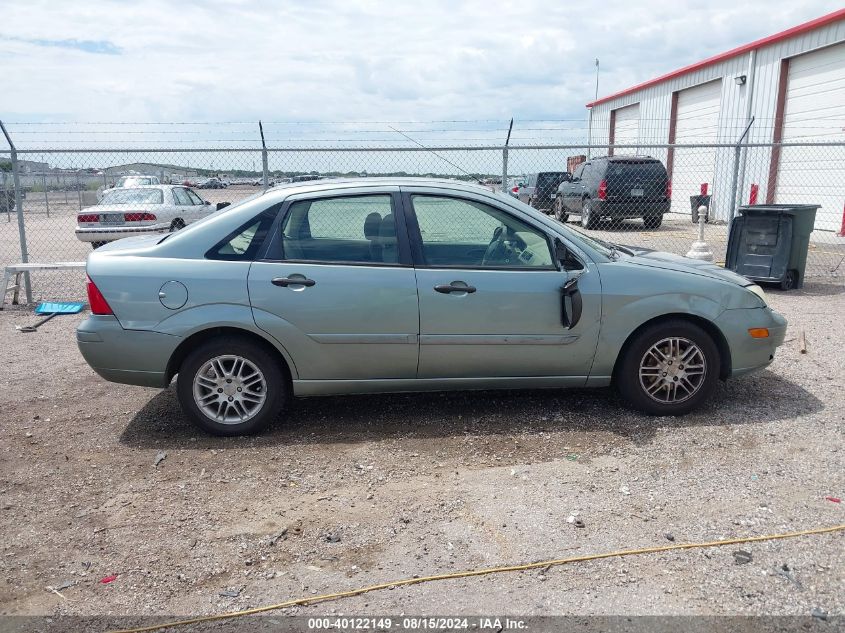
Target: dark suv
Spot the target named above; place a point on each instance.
(616, 187)
(540, 189)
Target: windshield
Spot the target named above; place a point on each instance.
(605, 248)
(550, 179)
(132, 196)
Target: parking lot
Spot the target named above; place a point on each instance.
(99, 479)
(50, 225)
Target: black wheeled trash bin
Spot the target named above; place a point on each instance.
(768, 243)
(697, 201)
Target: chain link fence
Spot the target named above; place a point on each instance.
(631, 195)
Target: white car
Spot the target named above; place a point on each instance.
(139, 211)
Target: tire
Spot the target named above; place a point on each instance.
(560, 214)
(96, 245)
(177, 224)
(698, 386)
(200, 379)
(790, 280)
(653, 221)
(588, 218)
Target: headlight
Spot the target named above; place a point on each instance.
(757, 290)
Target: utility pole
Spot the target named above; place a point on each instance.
(590, 123)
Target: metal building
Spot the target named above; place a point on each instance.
(793, 86)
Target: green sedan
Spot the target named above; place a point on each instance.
(384, 285)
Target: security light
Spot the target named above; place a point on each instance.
(740, 81)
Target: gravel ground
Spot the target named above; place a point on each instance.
(358, 490)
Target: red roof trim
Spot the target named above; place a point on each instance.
(771, 39)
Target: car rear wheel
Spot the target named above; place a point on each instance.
(560, 214)
(177, 224)
(653, 221)
(588, 218)
(231, 386)
(670, 368)
(96, 245)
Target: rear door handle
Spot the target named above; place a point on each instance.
(447, 288)
(284, 282)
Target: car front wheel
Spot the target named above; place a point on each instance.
(231, 386)
(670, 368)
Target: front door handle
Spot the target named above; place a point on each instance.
(447, 288)
(284, 282)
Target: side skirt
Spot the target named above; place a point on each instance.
(304, 388)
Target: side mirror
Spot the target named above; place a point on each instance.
(561, 252)
(222, 205)
(206, 202)
(565, 258)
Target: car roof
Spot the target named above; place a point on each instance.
(328, 184)
(627, 157)
(157, 186)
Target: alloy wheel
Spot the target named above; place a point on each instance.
(672, 370)
(229, 389)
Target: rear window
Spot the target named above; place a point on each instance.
(132, 196)
(652, 170)
(550, 179)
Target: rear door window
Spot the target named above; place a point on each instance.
(354, 229)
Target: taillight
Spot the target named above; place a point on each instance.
(668, 189)
(138, 217)
(603, 190)
(88, 217)
(515, 189)
(96, 301)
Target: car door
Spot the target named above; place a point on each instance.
(198, 209)
(337, 288)
(491, 294)
(570, 187)
(185, 209)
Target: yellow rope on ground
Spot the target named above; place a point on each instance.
(479, 572)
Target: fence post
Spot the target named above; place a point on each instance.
(735, 177)
(78, 190)
(505, 159)
(19, 206)
(46, 198)
(263, 156)
(6, 198)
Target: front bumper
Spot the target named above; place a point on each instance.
(747, 353)
(111, 233)
(629, 208)
(133, 357)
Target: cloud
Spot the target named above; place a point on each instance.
(331, 60)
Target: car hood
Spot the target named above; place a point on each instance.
(669, 261)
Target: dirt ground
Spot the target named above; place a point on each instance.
(351, 491)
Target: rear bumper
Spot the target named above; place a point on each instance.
(747, 353)
(132, 357)
(630, 208)
(111, 233)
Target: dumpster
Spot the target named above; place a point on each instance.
(697, 201)
(768, 243)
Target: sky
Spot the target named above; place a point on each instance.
(338, 63)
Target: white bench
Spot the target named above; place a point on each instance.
(19, 269)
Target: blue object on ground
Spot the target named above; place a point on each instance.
(59, 308)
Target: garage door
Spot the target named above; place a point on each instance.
(697, 121)
(814, 110)
(626, 128)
